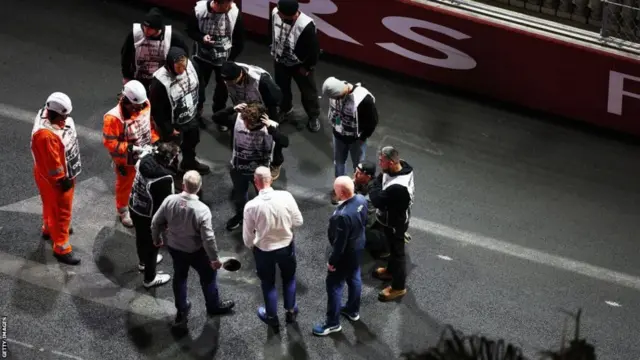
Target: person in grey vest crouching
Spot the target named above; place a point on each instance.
(255, 138)
(152, 184)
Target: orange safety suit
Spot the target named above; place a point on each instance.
(56, 155)
(117, 134)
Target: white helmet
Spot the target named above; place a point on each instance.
(135, 92)
(59, 103)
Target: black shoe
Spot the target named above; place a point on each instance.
(46, 236)
(222, 128)
(291, 316)
(182, 317)
(314, 125)
(234, 223)
(224, 307)
(284, 116)
(195, 165)
(68, 258)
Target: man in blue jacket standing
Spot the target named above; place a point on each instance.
(347, 238)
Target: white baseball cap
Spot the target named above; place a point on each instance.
(333, 87)
(59, 103)
(135, 92)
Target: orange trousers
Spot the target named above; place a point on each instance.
(124, 183)
(56, 213)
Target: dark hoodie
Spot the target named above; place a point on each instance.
(160, 105)
(150, 169)
(394, 202)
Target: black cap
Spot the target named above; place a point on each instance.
(230, 70)
(154, 19)
(288, 7)
(368, 168)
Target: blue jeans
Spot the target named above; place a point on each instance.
(266, 262)
(341, 151)
(198, 260)
(241, 183)
(335, 284)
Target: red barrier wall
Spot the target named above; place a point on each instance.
(465, 52)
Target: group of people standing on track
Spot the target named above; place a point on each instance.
(152, 133)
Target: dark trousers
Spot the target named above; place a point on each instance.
(189, 140)
(266, 262)
(147, 252)
(146, 83)
(397, 266)
(349, 274)
(377, 243)
(198, 260)
(240, 192)
(220, 93)
(306, 84)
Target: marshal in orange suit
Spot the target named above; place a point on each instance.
(56, 155)
(126, 129)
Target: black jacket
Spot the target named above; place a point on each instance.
(151, 169)
(307, 48)
(128, 52)
(227, 117)
(161, 106)
(271, 95)
(237, 38)
(394, 201)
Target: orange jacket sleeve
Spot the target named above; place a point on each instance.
(48, 152)
(154, 133)
(111, 135)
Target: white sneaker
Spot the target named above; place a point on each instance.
(160, 279)
(158, 260)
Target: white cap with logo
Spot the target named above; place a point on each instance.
(135, 92)
(60, 103)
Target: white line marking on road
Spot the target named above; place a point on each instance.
(426, 144)
(20, 343)
(29, 346)
(536, 256)
(613, 303)
(444, 257)
(66, 355)
(12, 112)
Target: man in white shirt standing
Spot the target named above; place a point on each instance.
(269, 219)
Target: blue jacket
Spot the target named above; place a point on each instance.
(346, 231)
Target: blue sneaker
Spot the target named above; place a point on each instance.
(271, 321)
(324, 330)
(353, 316)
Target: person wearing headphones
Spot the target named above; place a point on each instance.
(255, 138)
(126, 129)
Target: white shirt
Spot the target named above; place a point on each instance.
(269, 219)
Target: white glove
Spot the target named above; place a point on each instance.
(265, 120)
(136, 149)
(240, 107)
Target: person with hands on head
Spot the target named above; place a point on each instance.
(354, 117)
(188, 231)
(391, 193)
(295, 50)
(174, 95)
(269, 220)
(153, 183)
(347, 238)
(56, 157)
(218, 32)
(146, 47)
(126, 129)
(255, 137)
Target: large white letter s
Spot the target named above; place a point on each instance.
(456, 59)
